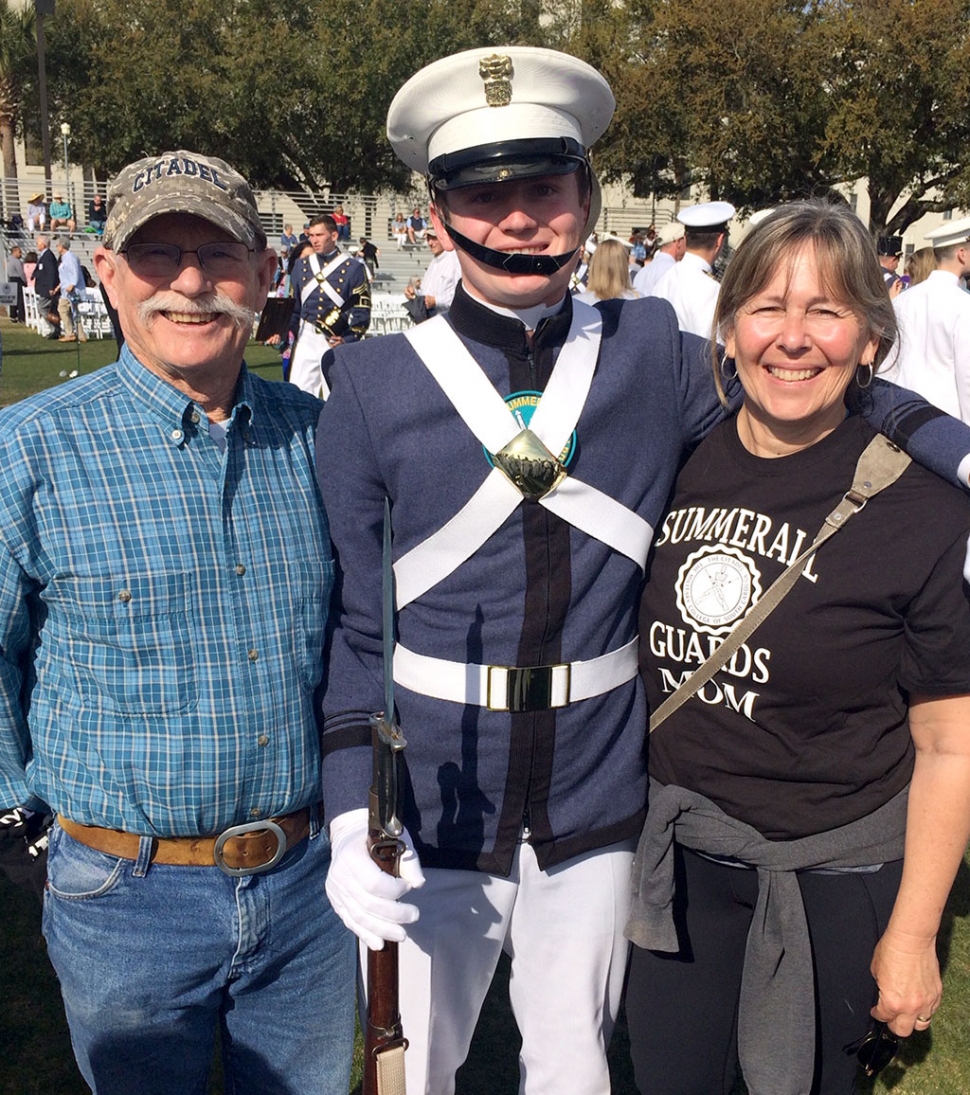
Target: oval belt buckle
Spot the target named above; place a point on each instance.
(249, 827)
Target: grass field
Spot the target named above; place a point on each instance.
(35, 1053)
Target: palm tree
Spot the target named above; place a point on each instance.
(18, 48)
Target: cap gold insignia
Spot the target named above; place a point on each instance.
(496, 71)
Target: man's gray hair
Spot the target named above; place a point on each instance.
(65, 242)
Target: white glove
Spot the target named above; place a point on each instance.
(366, 899)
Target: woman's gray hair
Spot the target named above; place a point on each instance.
(847, 266)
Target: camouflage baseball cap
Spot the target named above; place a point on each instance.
(181, 182)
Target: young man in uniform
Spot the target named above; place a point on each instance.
(331, 304)
(527, 443)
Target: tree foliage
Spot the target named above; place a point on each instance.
(17, 64)
(759, 100)
(767, 100)
(295, 95)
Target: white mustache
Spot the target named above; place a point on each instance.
(214, 304)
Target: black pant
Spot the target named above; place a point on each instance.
(682, 1008)
(17, 312)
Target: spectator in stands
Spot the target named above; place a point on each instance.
(342, 221)
(36, 212)
(45, 286)
(16, 274)
(370, 253)
(399, 230)
(97, 214)
(417, 226)
(288, 240)
(62, 216)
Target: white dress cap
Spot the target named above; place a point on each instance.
(707, 215)
(759, 215)
(951, 233)
(494, 95)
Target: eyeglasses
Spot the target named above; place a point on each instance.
(160, 260)
(877, 1049)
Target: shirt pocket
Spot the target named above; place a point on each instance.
(129, 641)
(316, 584)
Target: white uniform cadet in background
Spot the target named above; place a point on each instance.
(690, 286)
(934, 326)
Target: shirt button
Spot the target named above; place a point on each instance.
(255, 812)
(125, 596)
(195, 418)
(254, 655)
(240, 569)
(176, 435)
(262, 740)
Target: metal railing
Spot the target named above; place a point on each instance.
(370, 215)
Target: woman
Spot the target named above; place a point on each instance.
(798, 755)
(399, 230)
(609, 274)
(920, 265)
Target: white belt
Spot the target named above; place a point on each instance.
(515, 688)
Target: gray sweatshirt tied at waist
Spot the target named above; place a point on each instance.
(776, 1011)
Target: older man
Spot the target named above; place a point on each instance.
(70, 283)
(440, 279)
(673, 244)
(159, 653)
(45, 278)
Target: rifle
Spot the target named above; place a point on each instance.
(384, 1041)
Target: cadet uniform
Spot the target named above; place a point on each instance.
(332, 300)
(690, 286)
(934, 332)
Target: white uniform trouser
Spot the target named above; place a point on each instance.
(562, 929)
(305, 371)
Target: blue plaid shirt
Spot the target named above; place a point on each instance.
(162, 604)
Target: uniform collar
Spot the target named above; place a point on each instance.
(474, 320)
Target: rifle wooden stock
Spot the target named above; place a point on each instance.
(384, 1041)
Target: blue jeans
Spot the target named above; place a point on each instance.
(152, 958)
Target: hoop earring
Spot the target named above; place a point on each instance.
(725, 375)
(865, 365)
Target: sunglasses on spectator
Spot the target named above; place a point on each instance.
(877, 1049)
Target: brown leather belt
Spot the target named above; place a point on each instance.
(241, 850)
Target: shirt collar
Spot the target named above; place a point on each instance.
(173, 407)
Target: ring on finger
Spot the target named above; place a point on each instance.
(924, 1018)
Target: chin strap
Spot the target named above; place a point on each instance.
(511, 263)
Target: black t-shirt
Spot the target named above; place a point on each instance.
(805, 729)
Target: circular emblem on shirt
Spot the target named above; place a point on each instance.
(715, 587)
(523, 407)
